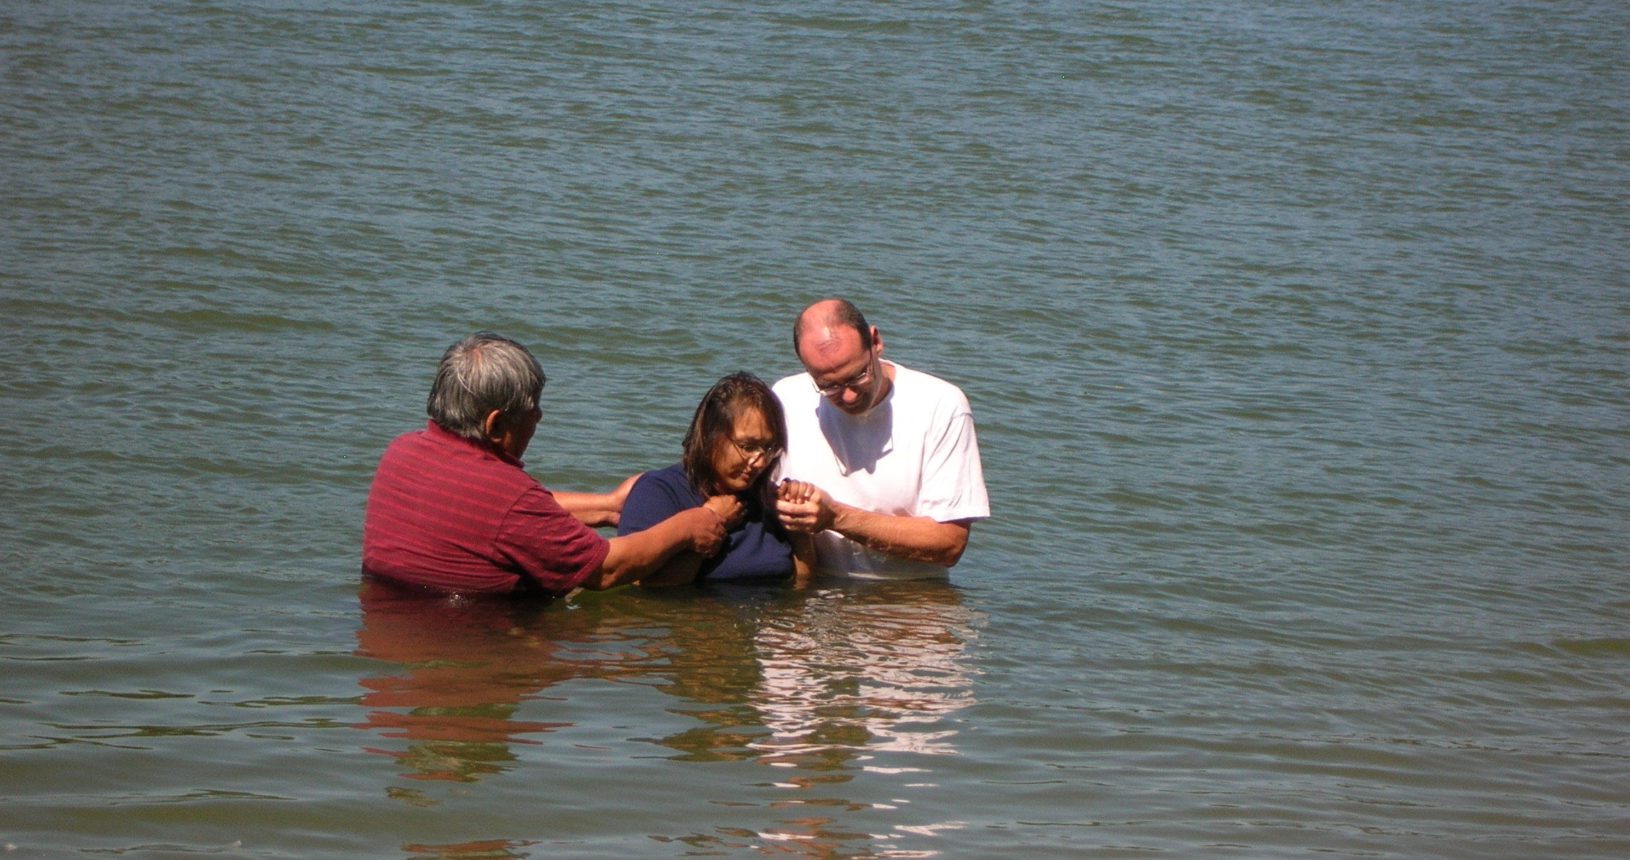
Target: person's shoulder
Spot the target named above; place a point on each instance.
(432, 448)
(420, 436)
(674, 474)
(670, 483)
(796, 392)
(433, 438)
(657, 495)
(917, 381)
(792, 384)
(927, 400)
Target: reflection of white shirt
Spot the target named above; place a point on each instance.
(891, 670)
(913, 454)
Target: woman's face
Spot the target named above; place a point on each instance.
(746, 451)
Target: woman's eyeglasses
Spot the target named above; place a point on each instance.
(753, 452)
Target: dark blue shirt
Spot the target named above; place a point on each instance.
(757, 549)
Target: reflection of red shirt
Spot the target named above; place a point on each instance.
(450, 514)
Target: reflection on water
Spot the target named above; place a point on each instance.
(863, 681)
(485, 849)
(874, 672)
(818, 677)
(463, 668)
(824, 684)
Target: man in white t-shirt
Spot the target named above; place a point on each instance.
(882, 465)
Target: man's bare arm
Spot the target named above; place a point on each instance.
(803, 558)
(806, 509)
(597, 509)
(635, 556)
(629, 559)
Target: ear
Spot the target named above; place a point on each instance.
(493, 426)
(877, 340)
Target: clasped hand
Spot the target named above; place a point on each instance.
(724, 514)
(803, 507)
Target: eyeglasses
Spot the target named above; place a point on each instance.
(858, 381)
(753, 452)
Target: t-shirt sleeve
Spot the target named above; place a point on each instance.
(655, 497)
(953, 486)
(553, 548)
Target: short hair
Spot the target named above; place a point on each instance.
(711, 426)
(842, 314)
(478, 374)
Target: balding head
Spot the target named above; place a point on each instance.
(825, 323)
(841, 353)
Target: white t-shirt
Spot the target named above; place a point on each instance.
(913, 454)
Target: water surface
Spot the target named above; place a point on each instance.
(1296, 339)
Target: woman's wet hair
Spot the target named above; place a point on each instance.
(715, 416)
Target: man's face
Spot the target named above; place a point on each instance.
(849, 375)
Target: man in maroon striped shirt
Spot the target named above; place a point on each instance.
(451, 509)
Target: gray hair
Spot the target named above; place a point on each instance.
(480, 373)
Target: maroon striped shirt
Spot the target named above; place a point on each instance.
(450, 514)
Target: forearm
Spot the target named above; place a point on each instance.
(635, 556)
(592, 509)
(679, 570)
(912, 538)
(803, 558)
